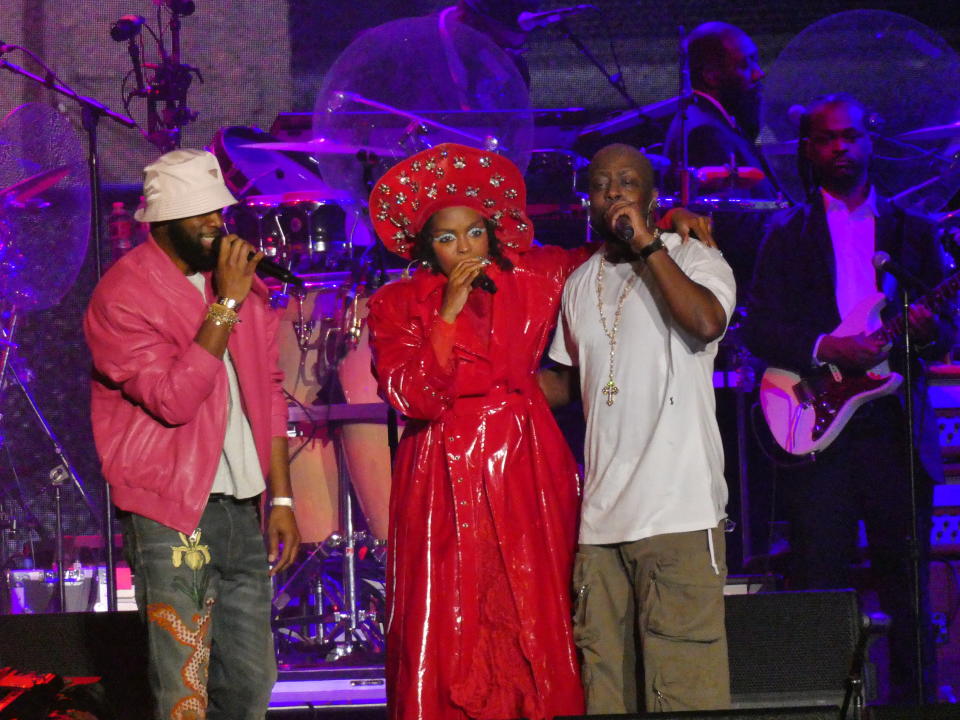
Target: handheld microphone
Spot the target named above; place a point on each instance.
(484, 282)
(883, 263)
(623, 228)
(528, 21)
(266, 266)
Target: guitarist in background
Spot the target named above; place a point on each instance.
(814, 266)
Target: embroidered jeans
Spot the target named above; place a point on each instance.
(207, 601)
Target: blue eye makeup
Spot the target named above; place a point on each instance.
(473, 233)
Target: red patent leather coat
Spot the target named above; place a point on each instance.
(479, 426)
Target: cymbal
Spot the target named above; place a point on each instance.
(21, 191)
(934, 132)
(723, 204)
(321, 146)
(659, 162)
(720, 177)
(787, 147)
(627, 119)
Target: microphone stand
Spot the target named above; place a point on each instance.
(616, 81)
(870, 625)
(686, 99)
(393, 423)
(91, 112)
(913, 543)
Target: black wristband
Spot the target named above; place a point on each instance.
(650, 249)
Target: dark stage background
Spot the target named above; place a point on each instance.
(262, 57)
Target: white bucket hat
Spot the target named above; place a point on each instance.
(181, 184)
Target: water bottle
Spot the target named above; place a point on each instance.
(120, 230)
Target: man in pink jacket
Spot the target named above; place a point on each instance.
(189, 420)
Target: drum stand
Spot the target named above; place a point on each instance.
(346, 629)
(349, 616)
(338, 627)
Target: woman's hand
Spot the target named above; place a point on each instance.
(459, 285)
(683, 222)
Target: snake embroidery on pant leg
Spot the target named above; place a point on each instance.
(195, 668)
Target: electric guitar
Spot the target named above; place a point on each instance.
(805, 413)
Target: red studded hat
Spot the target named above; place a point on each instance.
(410, 192)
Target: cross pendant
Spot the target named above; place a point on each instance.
(610, 389)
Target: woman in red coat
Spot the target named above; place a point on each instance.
(485, 496)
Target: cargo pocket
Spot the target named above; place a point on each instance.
(584, 631)
(685, 644)
(685, 611)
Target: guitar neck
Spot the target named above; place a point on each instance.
(935, 300)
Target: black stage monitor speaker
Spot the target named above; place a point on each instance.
(790, 655)
(791, 648)
(112, 646)
(822, 712)
(924, 712)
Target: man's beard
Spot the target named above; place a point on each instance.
(190, 250)
(842, 182)
(616, 249)
(744, 105)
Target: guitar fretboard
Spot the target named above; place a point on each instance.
(934, 301)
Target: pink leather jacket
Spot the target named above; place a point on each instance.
(159, 400)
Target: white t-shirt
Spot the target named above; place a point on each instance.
(654, 459)
(239, 472)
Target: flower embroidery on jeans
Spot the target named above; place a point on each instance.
(195, 556)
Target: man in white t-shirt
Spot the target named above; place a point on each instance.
(641, 321)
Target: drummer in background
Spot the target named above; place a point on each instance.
(721, 128)
(485, 495)
(497, 19)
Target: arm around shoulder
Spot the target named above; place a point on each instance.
(560, 384)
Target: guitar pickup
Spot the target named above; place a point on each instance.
(835, 371)
(806, 395)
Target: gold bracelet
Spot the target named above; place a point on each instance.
(221, 315)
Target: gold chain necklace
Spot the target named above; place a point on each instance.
(610, 389)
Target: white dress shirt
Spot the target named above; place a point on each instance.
(853, 237)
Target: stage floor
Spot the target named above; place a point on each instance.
(334, 687)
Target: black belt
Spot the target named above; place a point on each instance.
(223, 497)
